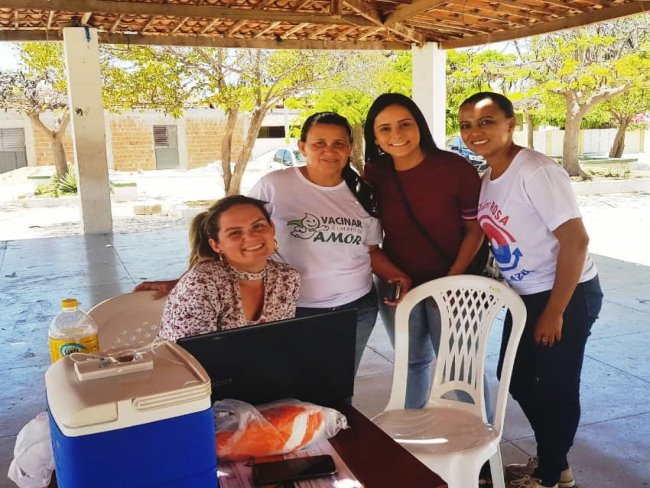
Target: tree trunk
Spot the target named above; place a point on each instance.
(56, 140)
(529, 131)
(257, 117)
(619, 140)
(571, 138)
(575, 113)
(226, 146)
(357, 148)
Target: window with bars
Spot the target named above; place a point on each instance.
(12, 139)
(160, 136)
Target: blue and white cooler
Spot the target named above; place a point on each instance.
(132, 421)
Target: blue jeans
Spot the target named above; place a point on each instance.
(424, 341)
(366, 317)
(546, 380)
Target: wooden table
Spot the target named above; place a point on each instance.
(376, 459)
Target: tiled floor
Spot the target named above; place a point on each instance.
(612, 446)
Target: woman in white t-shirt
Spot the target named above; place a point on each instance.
(324, 222)
(325, 226)
(529, 213)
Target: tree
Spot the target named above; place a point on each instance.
(365, 76)
(237, 80)
(470, 71)
(39, 87)
(624, 109)
(585, 67)
(139, 77)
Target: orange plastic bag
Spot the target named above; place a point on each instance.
(245, 431)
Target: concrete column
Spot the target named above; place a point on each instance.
(81, 51)
(430, 87)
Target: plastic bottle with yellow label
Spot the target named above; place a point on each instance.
(72, 330)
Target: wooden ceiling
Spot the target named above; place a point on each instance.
(305, 24)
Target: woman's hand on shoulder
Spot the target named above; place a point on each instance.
(162, 288)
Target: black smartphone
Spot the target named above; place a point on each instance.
(395, 292)
(293, 469)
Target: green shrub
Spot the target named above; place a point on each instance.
(59, 186)
(68, 182)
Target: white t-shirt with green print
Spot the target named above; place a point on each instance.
(324, 233)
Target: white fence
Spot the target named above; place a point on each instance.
(592, 141)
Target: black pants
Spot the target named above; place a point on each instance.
(546, 380)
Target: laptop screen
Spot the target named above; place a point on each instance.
(308, 358)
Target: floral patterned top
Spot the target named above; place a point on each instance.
(207, 299)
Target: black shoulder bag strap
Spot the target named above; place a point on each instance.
(416, 222)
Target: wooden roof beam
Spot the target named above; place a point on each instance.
(512, 5)
(405, 12)
(344, 33)
(448, 27)
(182, 10)
(148, 24)
(320, 31)
(293, 30)
(208, 26)
(271, 26)
(179, 25)
(372, 16)
(562, 4)
(371, 32)
(235, 27)
(520, 10)
(335, 7)
(601, 15)
(207, 41)
(116, 24)
(481, 15)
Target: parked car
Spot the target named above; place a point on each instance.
(458, 146)
(288, 156)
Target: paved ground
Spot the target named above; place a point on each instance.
(612, 445)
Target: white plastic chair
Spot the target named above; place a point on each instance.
(128, 320)
(452, 437)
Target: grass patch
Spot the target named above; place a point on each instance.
(199, 203)
(610, 173)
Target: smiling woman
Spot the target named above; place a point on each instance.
(325, 227)
(231, 282)
(426, 196)
(532, 220)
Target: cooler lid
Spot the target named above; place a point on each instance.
(176, 384)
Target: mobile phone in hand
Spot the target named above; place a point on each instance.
(293, 469)
(395, 292)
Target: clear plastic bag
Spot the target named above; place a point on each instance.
(33, 461)
(245, 431)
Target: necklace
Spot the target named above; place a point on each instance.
(248, 276)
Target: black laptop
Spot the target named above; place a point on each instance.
(308, 358)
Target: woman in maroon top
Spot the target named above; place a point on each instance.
(441, 190)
